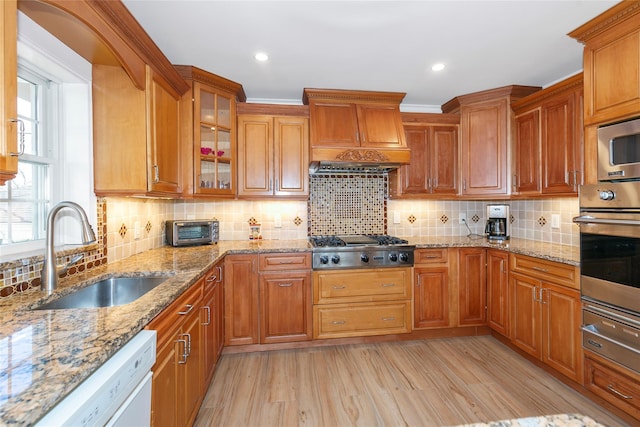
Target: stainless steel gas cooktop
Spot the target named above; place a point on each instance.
(360, 251)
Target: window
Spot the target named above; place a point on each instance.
(24, 201)
(54, 104)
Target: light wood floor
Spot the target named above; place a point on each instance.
(436, 382)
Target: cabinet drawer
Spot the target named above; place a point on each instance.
(361, 286)
(613, 386)
(562, 274)
(170, 319)
(290, 261)
(430, 256)
(348, 320)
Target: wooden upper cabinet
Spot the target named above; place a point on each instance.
(163, 136)
(526, 158)
(548, 149)
(136, 135)
(208, 113)
(8, 91)
(611, 63)
(273, 152)
(485, 134)
(433, 169)
(356, 126)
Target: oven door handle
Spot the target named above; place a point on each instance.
(587, 219)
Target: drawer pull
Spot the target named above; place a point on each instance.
(388, 319)
(208, 322)
(594, 343)
(339, 322)
(630, 332)
(432, 256)
(285, 285)
(212, 278)
(286, 262)
(609, 324)
(542, 269)
(616, 392)
(189, 308)
(184, 354)
(388, 285)
(339, 287)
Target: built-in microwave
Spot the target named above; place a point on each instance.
(192, 232)
(619, 151)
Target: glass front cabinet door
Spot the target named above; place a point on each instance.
(214, 142)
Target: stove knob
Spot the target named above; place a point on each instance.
(404, 257)
(607, 195)
(335, 259)
(364, 258)
(393, 257)
(324, 259)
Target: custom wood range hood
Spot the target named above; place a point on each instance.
(355, 130)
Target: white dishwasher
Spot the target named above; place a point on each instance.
(117, 394)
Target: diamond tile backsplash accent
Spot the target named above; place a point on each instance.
(347, 204)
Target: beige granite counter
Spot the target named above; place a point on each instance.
(47, 353)
(559, 420)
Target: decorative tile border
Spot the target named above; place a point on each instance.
(22, 278)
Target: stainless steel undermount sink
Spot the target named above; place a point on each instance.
(110, 292)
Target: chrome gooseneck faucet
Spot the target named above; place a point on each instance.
(50, 271)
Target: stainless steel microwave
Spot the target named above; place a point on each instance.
(619, 151)
(192, 232)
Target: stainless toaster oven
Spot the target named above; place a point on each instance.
(192, 232)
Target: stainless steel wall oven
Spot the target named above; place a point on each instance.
(610, 270)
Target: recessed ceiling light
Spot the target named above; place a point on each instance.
(438, 67)
(261, 56)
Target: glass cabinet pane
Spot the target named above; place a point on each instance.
(207, 140)
(207, 107)
(224, 112)
(224, 175)
(224, 143)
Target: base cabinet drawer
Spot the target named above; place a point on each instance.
(361, 286)
(614, 386)
(349, 320)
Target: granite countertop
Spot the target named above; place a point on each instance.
(559, 420)
(47, 353)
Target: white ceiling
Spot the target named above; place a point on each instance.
(372, 45)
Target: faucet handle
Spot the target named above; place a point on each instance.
(64, 268)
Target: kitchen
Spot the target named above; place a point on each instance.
(293, 216)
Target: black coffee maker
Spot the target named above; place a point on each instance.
(497, 227)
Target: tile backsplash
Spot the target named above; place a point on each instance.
(127, 226)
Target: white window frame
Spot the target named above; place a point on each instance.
(71, 172)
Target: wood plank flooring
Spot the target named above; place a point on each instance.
(437, 382)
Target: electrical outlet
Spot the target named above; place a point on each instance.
(555, 221)
(462, 218)
(396, 217)
(137, 230)
(277, 221)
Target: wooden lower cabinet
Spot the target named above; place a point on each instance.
(285, 306)
(613, 383)
(546, 316)
(241, 299)
(472, 286)
(431, 289)
(349, 303)
(212, 321)
(498, 291)
(176, 388)
(267, 298)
